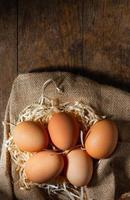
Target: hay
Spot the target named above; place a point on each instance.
(42, 111)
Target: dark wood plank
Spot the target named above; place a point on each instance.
(88, 37)
(50, 34)
(8, 52)
(106, 40)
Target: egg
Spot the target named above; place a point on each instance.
(101, 139)
(29, 136)
(44, 166)
(64, 130)
(80, 167)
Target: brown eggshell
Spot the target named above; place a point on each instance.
(102, 139)
(64, 130)
(44, 166)
(28, 136)
(80, 167)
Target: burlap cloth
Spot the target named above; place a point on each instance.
(112, 177)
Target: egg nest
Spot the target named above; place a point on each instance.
(42, 111)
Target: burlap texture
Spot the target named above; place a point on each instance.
(112, 177)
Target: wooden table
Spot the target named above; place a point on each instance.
(84, 36)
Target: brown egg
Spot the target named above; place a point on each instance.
(80, 167)
(64, 130)
(28, 136)
(44, 166)
(102, 139)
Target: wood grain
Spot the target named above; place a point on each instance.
(8, 52)
(50, 34)
(87, 37)
(106, 41)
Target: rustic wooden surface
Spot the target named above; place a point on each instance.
(90, 37)
(87, 37)
(8, 52)
(51, 33)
